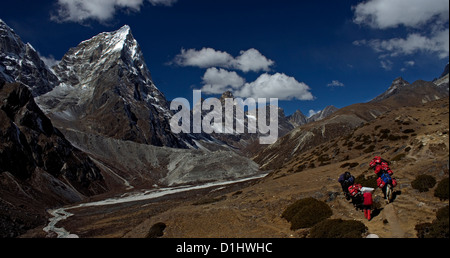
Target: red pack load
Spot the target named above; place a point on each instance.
(380, 183)
(354, 189)
(368, 200)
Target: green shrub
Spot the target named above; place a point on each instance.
(409, 131)
(338, 228)
(385, 131)
(369, 149)
(156, 230)
(323, 158)
(439, 228)
(423, 183)
(301, 168)
(442, 213)
(306, 213)
(442, 189)
(360, 147)
(393, 137)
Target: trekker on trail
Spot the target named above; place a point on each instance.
(368, 202)
(384, 173)
(356, 195)
(380, 166)
(346, 180)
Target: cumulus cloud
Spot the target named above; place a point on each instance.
(100, 10)
(383, 14)
(278, 86)
(426, 21)
(217, 81)
(204, 58)
(413, 43)
(249, 60)
(336, 83)
(281, 86)
(252, 60)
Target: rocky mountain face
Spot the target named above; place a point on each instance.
(326, 112)
(345, 120)
(248, 143)
(105, 102)
(39, 168)
(21, 62)
(107, 89)
(298, 118)
(397, 85)
(442, 81)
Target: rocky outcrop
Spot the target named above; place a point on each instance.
(20, 62)
(39, 167)
(298, 118)
(326, 112)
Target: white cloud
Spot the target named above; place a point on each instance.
(204, 58)
(336, 83)
(250, 60)
(100, 10)
(312, 112)
(49, 61)
(426, 21)
(386, 65)
(410, 63)
(438, 44)
(217, 81)
(383, 14)
(278, 86)
(163, 2)
(407, 64)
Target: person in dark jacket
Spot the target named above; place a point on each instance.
(346, 180)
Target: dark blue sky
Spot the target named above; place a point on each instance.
(313, 43)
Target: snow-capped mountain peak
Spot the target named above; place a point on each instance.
(396, 85)
(106, 79)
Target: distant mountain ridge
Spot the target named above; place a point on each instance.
(299, 119)
(345, 120)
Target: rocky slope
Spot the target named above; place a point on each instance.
(21, 62)
(326, 112)
(39, 167)
(416, 144)
(345, 120)
(131, 165)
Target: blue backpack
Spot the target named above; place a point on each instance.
(386, 178)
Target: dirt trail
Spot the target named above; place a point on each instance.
(390, 214)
